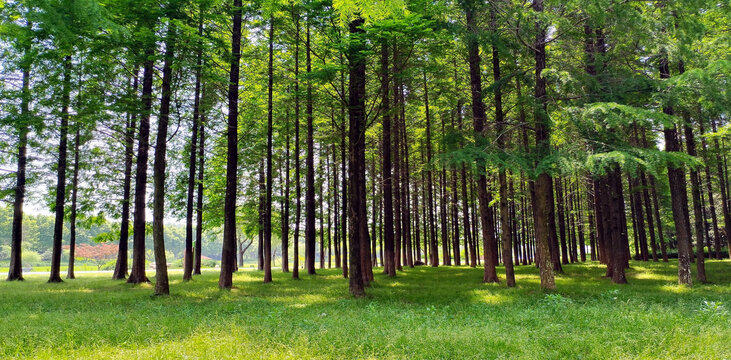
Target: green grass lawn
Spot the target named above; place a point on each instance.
(424, 313)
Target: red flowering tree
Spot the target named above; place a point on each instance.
(99, 254)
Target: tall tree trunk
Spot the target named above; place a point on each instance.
(543, 186)
(120, 268)
(310, 176)
(269, 182)
(434, 256)
(158, 212)
(228, 251)
(192, 161)
(695, 187)
(74, 193)
(388, 260)
(505, 221)
(297, 165)
(724, 193)
(61, 174)
(561, 223)
(199, 207)
(356, 170)
(678, 192)
(15, 269)
(711, 201)
(344, 159)
(137, 274)
(398, 213)
(336, 212)
(286, 201)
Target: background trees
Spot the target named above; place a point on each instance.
(562, 156)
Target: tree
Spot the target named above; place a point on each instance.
(228, 252)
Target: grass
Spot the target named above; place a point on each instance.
(424, 313)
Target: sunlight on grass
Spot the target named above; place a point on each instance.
(424, 313)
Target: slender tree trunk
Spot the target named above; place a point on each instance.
(61, 174)
(286, 202)
(561, 223)
(711, 201)
(137, 274)
(120, 268)
(505, 221)
(158, 213)
(388, 260)
(678, 193)
(543, 187)
(356, 170)
(228, 259)
(695, 187)
(15, 269)
(188, 252)
(344, 159)
(310, 176)
(269, 183)
(199, 207)
(434, 256)
(724, 193)
(74, 192)
(297, 166)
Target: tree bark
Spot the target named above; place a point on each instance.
(15, 269)
(228, 259)
(388, 260)
(162, 286)
(192, 161)
(695, 187)
(678, 192)
(61, 174)
(269, 182)
(356, 170)
(199, 207)
(120, 268)
(310, 176)
(543, 186)
(137, 274)
(505, 220)
(74, 194)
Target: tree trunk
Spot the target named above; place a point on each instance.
(61, 174)
(269, 182)
(74, 192)
(286, 201)
(543, 188)
(15, 269)
(120, 268)
(199, 207)
(228, 260)
(158, 212)
(388, 260)
(711, 201)
(678, 192)
(297, 166)
(357, 215)
(137, 274)
(434, 256)
(310, 176)
(695, 187)
(188, 252)
(505, 221)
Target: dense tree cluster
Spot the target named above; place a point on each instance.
(373, 133)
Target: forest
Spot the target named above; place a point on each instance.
(369, 136)
(358, 179)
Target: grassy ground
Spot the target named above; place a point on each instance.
(424, 313)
